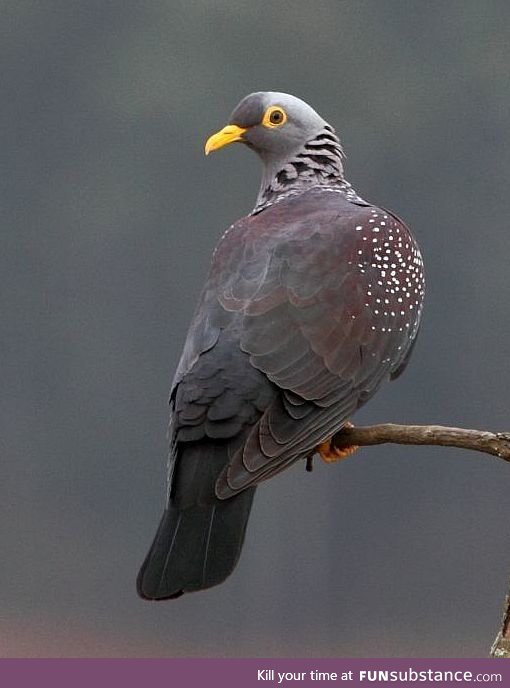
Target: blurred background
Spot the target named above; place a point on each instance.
(109, 213)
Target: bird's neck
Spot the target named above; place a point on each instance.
(317, 163)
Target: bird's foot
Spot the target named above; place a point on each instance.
(330, 454)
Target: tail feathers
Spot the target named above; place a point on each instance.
(195, 547)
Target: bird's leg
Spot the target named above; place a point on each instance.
(329, 453)
(309, 463)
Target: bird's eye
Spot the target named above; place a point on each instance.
(274, 117)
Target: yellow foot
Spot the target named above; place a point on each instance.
(330, 454)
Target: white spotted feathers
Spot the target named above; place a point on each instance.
(390, 266)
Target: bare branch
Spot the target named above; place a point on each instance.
(501, 647)
(495, 443)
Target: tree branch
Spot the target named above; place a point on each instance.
(495, 443)
(501, 646)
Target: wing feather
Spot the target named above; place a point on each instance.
(324, 314)
(318, 296)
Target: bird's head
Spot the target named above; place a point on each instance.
(297, 146)
(274, 125)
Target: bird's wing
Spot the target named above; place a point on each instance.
(329, 297)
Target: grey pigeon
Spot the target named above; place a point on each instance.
(311, 302)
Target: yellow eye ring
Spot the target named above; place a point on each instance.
(274, 116)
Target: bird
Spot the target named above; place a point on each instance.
(312, 301)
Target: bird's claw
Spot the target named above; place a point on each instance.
(330, 453)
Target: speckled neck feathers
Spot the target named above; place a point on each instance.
(317, 163)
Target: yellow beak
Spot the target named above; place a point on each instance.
(228, 134)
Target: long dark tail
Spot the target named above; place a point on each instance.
(200, 537)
